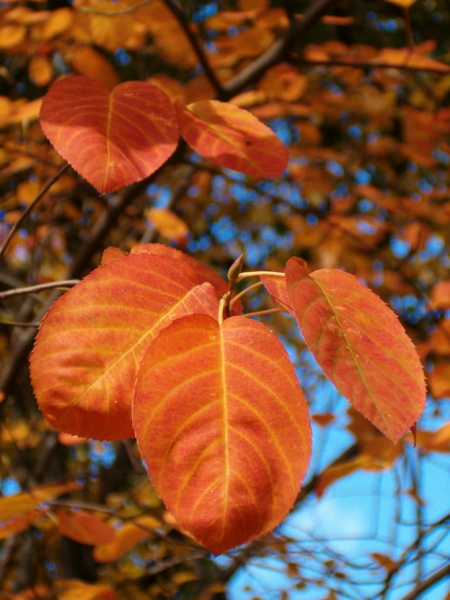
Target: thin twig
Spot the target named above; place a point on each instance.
(279, 50)
(426, 584)
(183, 21)
(37, 288)
(17, 324)
(30, 207)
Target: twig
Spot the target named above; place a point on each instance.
(180, 16)
(426, 584)
(30, 207)
(278, 51)
(37, 288)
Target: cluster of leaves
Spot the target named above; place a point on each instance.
(365, 119)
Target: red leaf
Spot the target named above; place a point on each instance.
(360, 345)
(91, 341)
(223, 427)
(125, 538)
(111, 138)
(276, 286)
(232, 137)
(85, 528)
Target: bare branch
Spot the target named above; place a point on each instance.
(37, 288)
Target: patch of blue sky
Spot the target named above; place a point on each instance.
(340, 191)
(102, 454)
(242, 193)
(201, 245)
(285, 130)
(121, 57)
(9, 486)
(400, 248)
(234, 175)
(161, 195)
(355, 131)
(408, 307)
(362, 177)
(203, 11)
(224, 230)
(335, 168)
(434, 247)
(425, 186)
(366, 228)
(365, 205)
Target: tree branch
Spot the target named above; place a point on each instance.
(426, 584)
(277, 52)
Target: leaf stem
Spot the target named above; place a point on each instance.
(259, 273)
(250, 287)
(269, 311)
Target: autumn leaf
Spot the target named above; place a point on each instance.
(92, 339)
(125, 538)
(27, 502)
(111, 138)
(84, 527)
(223, 427)
(360, 345)
(276, 286)
(232, 137)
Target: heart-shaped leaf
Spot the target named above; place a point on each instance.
(112, 138)
(232, 137)
(91, 341)
(223, 427)
(360, 345)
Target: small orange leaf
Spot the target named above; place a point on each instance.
(223, 427)
(17, 504)
(232, 137)
(84, 527)
(111, 138)
(384, 561)
(74, 589)
(360, 345)
(125, 538)
(40, 70)
(91, 340)
(87, 61)
(18, 524)
(168, 224)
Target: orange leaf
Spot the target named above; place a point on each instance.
(384, 561)
(17, 504)
(74, 589)
(223, 427)
(111, 138)
(276, 286)
(84, 527)
(90, 342)
(125, 538)
(18, 524)
(168, 224)
(232, 137)
(360, 345)
(203, 272)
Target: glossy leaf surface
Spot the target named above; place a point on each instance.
(232, 137)
(92, 339)
(223, 427)
(360, 345)
(111, 138)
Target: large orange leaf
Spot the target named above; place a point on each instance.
(360, 345)
(91, 341)
(232, 137)
(204, 273)
(112, 138)
(223, 427)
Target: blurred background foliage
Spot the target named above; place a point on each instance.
(362, 99)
